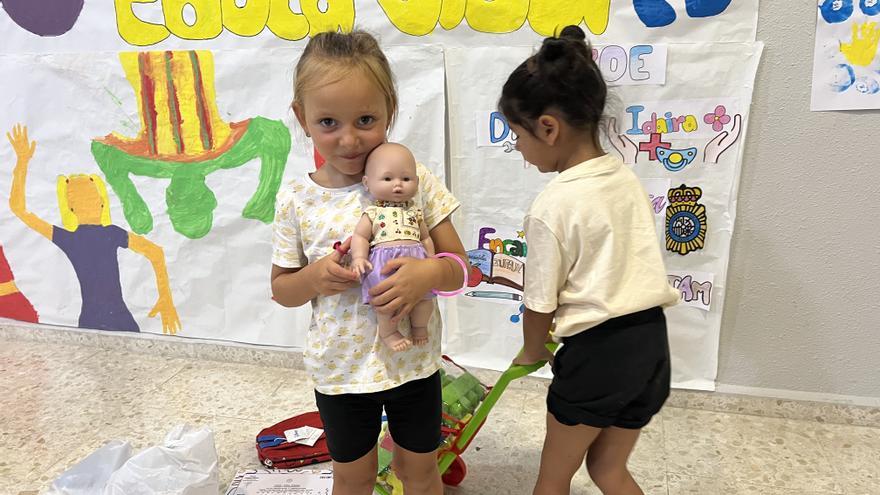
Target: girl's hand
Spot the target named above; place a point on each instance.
(24, 150)
(328, 276)
(399, 293)
(532, 356)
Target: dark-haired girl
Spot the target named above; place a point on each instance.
(594, 268)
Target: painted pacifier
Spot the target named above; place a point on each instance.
(675, 160)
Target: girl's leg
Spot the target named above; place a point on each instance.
(418, 320)
(391, 337)
(356, 477)
(606, 461)
(564, 450)
(414, 418)
(418, 472)
(352, 423)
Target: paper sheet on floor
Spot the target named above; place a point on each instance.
(282, 482)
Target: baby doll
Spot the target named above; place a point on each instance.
(392, 227)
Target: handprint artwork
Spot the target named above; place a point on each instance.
(846, 69)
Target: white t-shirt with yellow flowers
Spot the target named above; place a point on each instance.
(343, 351)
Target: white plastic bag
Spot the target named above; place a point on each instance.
(89, 476)
(186, 464)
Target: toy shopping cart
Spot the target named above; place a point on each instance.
(466, 405)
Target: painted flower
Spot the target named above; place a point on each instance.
(718, 119)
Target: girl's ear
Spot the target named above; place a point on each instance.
(547, 129)
(300, 113)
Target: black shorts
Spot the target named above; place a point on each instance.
(614, 374)
(352, 422)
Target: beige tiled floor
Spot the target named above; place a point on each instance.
(60, 402)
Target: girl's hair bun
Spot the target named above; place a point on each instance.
(574, 33)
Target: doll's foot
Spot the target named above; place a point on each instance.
(419, 335)
(397, 342)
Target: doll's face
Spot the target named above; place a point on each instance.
(390, 174)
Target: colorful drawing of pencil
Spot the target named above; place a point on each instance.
(493, 294)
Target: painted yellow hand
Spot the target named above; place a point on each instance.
(863, 48)
(165, 309)
(19, 141)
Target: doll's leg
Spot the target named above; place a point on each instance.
(390, 335)
(418, 320)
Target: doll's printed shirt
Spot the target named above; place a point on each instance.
(343, 352)
(394, 221)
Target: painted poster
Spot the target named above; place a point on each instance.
(77, 25)
(846, 69)
(144, 218)
(683, 138)
(143, 142)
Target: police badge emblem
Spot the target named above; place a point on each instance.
(686, 222)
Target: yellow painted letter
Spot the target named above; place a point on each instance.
(548, 17)
(245, 21)
(452, 13)
(338, 17)
(135, 31)
(496, 16)
(208, 24)
(285, 23)
(413, 17)
(596, 14)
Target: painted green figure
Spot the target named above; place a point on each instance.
(184, 138)
(190, 202)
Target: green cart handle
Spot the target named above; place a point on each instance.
(514, 372)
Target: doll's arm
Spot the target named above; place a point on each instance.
(360, 245)
(425, 236)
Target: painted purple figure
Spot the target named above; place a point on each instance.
(44, 17)
(92, 250)
(91, 241)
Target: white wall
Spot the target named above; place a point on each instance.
(802, 311)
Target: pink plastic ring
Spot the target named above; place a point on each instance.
(464, 270)
(337, 246)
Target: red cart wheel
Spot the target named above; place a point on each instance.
(456, 472)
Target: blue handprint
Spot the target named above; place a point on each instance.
(834, 11)
(870, 7)
(654, 13)
(658, 13)
(706, 8)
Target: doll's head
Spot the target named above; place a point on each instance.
(390, 173)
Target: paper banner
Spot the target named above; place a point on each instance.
(846, 69)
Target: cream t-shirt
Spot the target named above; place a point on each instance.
(343, 352)
(593, 249)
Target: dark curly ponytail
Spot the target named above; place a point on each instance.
(562, 76)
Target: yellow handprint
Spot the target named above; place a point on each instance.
(863, 48)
